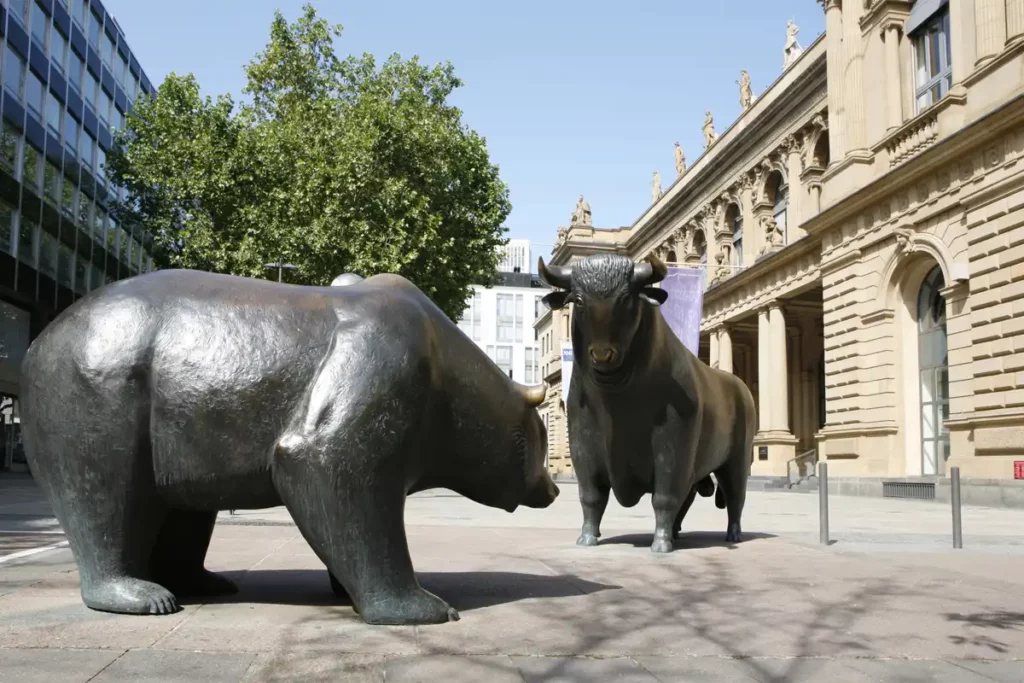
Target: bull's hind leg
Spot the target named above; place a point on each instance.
(177, 560)
(732, 483)
(682, 513)
(706, 488)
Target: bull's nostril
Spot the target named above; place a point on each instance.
(604, 355)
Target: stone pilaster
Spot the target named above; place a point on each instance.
(990, 27)
(1014, 20)
(724, 349)
(852, 75)
(713, 358)
(816, 197)
(894, 88)
(795, 208)
(963, 44)
(836, 93)
(746, 194)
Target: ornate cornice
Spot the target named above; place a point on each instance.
(884, 13)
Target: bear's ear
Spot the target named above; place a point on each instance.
(653, 295)
(555, 300)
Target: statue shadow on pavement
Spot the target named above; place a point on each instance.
(686, 540)
(462, 590)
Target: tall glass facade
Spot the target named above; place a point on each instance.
(69, 78)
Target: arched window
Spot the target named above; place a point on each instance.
(933, 364)
(734, 219)
(671, 258)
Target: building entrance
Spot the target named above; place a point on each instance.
(933, 361)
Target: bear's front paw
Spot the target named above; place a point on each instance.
(416, 608)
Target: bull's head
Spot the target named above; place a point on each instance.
(610, 294)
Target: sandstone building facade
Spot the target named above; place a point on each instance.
(861, 227)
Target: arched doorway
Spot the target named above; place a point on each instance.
(933, 370)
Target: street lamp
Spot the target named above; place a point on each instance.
(281, 267)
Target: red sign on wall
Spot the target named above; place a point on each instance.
(1018, 469)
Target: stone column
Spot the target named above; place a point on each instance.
(765, 377)
(1014, 19)
(852, 73)
(816, 198)
(794, 209)
(894, 89)
(795, 348)
(962, 44)
(724, 349)
(834, 52)
(778, 368)
(749, 224)
(990, 26)
(713, 354)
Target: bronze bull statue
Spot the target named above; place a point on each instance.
(646, 415)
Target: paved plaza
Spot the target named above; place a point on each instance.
(889, 600)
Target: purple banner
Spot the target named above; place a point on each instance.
(682, 310)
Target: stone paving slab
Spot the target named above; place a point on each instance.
(535, 607)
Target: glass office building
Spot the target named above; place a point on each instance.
(69, 78)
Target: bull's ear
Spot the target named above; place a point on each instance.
(555, 300)
(653, 295)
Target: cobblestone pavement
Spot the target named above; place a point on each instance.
(889, 601)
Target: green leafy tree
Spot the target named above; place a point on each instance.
(334, 165)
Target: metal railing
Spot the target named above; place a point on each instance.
(803, 470)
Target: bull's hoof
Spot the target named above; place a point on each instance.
(418, 608)
(661, 545)
(586, 539)
(732, 533)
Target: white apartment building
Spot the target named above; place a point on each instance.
(500, 319)
(515, 257)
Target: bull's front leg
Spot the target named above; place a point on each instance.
(673, 489)
(667, 504)
(594, 500)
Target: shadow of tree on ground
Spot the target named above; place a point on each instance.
(975, 623)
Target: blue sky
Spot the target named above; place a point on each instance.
(572, 97)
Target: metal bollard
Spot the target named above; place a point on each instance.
(954, 495)
(823, 500)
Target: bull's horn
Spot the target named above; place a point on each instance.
(654, 270)
(556, 276)
(534, 394)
